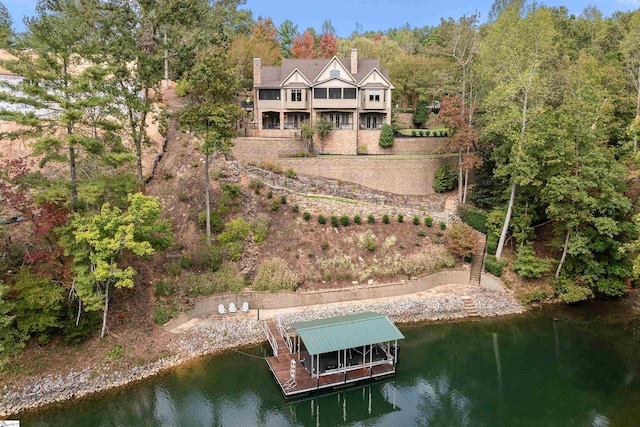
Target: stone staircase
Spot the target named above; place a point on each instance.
(477, 261)
(469, 307)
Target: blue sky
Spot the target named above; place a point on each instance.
(371, 15)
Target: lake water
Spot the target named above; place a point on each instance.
(555, 367)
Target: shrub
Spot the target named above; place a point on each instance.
(233, 237)
(367, 240)
(230, 191)
(275, 205)
(445, 178)
(423, 133)
(256, 185)
(306, 215)
(344, 220)
(163, 289)
(173, 268)
(371, 219)
(290, 173)
(428, 221)
(571, 292)
(494, 265)
(334, 221)
(182, 87)
(260, 228)
(528, 265)
(476, 218)
(226, 279)
(273, 167)
(414, 132)
(427, 133)
(421, 233)
(275, 275)
(185, 262)
(492, 243)
(386, 219)
(443, 225)
(400, 218)
(321, 219)
(295, 208)
(209, 257)
(386, 136)
(269, 194)
(283, 200)
(428, 260)
(162, 314)
(324, 245)
(416, 220)
(462, 240)
(357, 219)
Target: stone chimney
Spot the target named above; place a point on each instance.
(354, 61)
(257, 65)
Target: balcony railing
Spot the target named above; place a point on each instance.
(364, 126)
(343, 126)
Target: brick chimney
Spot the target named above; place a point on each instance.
(354, 61)
(257, 65)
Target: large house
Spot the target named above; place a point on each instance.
(353, 94)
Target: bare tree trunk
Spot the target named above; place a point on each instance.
(206, 197)
(505, 227)
(466, 182)
(106, 310)
(635, 133)
(460, 176)
(564, 253)
(166, 61)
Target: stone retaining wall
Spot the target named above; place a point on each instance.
(357, 199)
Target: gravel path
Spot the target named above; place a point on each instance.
(214, 334)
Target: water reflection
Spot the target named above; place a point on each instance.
(561, 367)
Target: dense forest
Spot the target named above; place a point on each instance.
(543, 107)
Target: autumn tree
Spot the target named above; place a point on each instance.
(461, 140)
(303, 46)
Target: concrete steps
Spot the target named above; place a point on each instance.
(477, 261)
(469, 306)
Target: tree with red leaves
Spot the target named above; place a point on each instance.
(304, 46)
(327, 46)
(462, 139)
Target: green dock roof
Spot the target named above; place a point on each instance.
(352, 331)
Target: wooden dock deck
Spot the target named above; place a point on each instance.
(303, 382)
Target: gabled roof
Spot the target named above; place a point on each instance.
(339, 333)
(274, 76)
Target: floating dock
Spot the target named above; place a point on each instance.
(331, 353)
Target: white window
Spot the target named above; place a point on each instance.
(374, 95)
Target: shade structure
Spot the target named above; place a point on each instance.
(338, 333)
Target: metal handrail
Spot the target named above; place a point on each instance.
(285, 335)
(270, 338)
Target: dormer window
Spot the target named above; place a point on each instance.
(334, 73)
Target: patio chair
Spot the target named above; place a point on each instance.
(245, 307)
(221, 309)
(232, 308)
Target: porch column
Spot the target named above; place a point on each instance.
(281, 120)
(395, 352)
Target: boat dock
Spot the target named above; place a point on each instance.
(326, 364)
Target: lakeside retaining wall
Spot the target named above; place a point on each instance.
(269, 300)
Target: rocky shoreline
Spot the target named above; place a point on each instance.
(214, 335)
